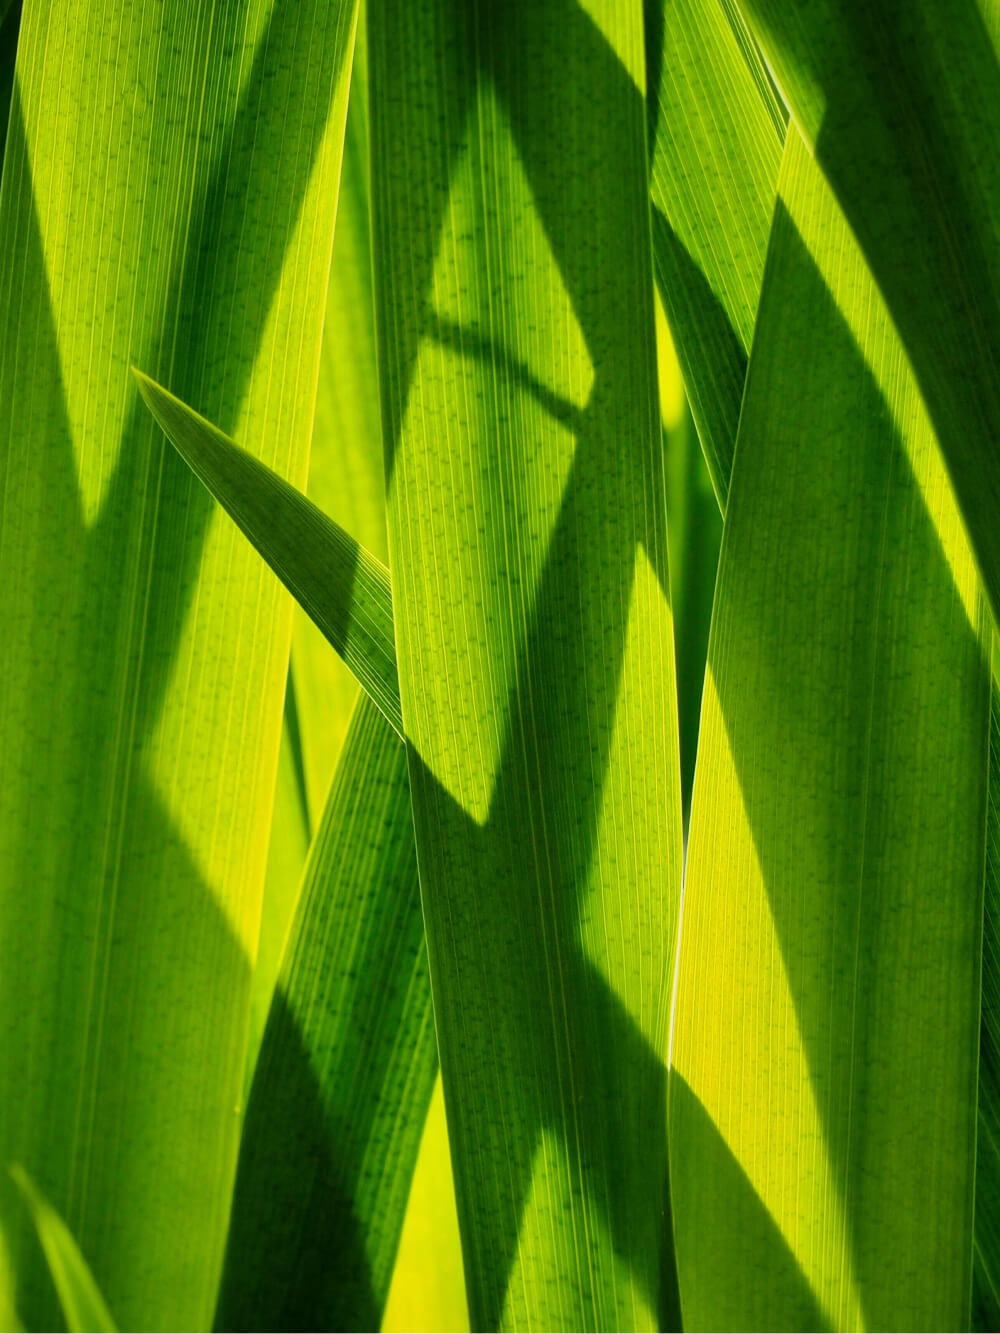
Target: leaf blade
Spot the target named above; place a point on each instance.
(463, 169)
(347, 1065)
(829, 661)
(82, 1303)
(303, 547)
(130, 758)
(901, 106)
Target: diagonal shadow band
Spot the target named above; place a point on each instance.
(822, 771)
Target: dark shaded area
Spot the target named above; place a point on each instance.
(712, 344)
(695, 532)
(310, 1268)
(653, 30)
(10, 26)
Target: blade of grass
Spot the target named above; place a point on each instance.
(83, 1306)
(321, 1000)
(308, 551)
(900, 102)
(143, 654)
(346, 1068)
(345, 479)
(845, 707)
(527, 535)
(345, 468)
(717, 136)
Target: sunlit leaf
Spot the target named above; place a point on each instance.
(823, 1100)
(308, 551)
(346, 1067)
(527, 535)
(169, 189)
(900, 102)
(717, 143)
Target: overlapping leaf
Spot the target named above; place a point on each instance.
(526, 531)
(346, 1068)
(900, 102)
(143, 656)
(83, 1306)
(717, 135)
(845, 708)
(343, 1083)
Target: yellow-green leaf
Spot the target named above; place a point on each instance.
(823, 1082)
(528, 547)
(717, 135)
(306, 550)
(347, 1064)
(169, 188)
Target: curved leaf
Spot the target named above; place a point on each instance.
(900, 102)
(346, 1067)
(81, 1300)
(715, 154)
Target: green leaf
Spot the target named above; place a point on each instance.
(286, 858)
(986, 1272)
(346, 1069)
(528, 543)
(900, 102)
(717, 135)
(345, 481)
(345, 467)
(309, 552)
(82, 1303)
(306, 575)
(822, 1104)
(144, 652)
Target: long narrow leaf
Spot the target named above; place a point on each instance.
(822, 1106)
(143, 651)
(527, 535)
(346, 1068)
(306, 549)
(345, 466)
(82, 1303)
(900, 102)
(715, 155)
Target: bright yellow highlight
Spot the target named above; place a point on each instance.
(612, 933)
